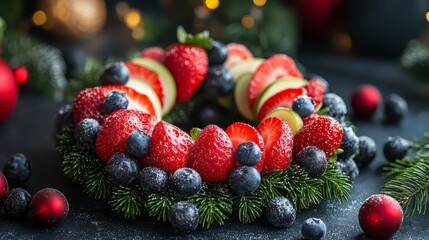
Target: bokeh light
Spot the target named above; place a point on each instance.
(259, 3)
(132, 18)
(39, 18)
(247, 21)
(212, 4)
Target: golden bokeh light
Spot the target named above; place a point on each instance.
(427, 16)
(247, 21)
(212, 4)
(259, 3)
(133, 18)
(138, 33)
(39, 18)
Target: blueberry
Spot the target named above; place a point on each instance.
(138, 143)
(349, 168)
(366, 153)
(336, 106)
(183, 216)
(17, 169)
(280, 212)
(248, 153)
(17, 204)
(395, 148)
(395, 108)
(64, 118)
(313, 160)
(313, 229)
(186, 182)
(211, 113)
(114, 101)
(303, 105)
(122, 169)
(244, 180)
(219, 81)
(217, 54)
(310, 76)
(153, 180)
(115, 74)
(349, 144)
(86, 132)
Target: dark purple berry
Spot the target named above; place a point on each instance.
(313, 229)
(17, 204)
(395, 108)
(366, 153)
(64, 118)
(244, 180)
(219, 82)
(395, 148)
(313, 160)
(349, 144)
(335, 105)
(349, 168)
(115, 74)
(153, 180)
(183, 216)
(303, 105)
(217, 54)
(114, 101)
(86, 132)
(248, 153)
(122, 169)
(280, 212)
(17, 169)
(186, 182)
(138, 143)
(311, 76)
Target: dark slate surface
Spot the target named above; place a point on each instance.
(29, 131)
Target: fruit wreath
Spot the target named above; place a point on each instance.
(116, 145)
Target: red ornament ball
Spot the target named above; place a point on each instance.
(49, 207)
(4, 187)
(8, 91)
(380, 216)
(21, 74)
(365, 100)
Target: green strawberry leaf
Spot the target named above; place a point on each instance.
(201, 39)
(195, 133)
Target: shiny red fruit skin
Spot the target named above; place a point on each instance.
(212, 155)
(315, 90)
(155, 53)
(49, 207)
(4, 188)
(365, 100)
(169, 148)
(8, 91)
(380, 216)
(188, 64)
(324, 132)
(282, 99)
(278, 139)
(237, 52)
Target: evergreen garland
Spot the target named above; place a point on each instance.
(408, 179)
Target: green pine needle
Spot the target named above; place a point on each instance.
(249, 206)
(128, 201)
(97, 184)
(272, 185)
(158, 205)
(214, 203)
(336, 185)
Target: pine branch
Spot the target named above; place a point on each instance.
(182, 112)
(336, 185)
(214, 203)
(128, 201)
(97, 184)
(272, 185)
(158, 205)
(399, 166)
(249, 207)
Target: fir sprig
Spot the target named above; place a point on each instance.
(158, 205)
(249, 207)
(129, 201)
(335, 185)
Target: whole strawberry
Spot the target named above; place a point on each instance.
(324, 133)
(315, 90)
(188, 62)
(212, 155)
(169, 148)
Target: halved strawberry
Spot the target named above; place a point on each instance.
(142, 73)
(155, 53)
(212, 155)
(282, 99)
(324, 132)
(236, 53)
(169, 147)
(115, 129)
(315, 90)
(275, 67)
(240, 132)
(278, 139)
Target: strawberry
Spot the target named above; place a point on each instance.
(212, 155)
(155, 53)
(144, 74)
(188, 64)
(115, 129)
(237, 53)
(282, 99)
(310, 119)
(324, 132)
(315, 90)
(241, 132)
(278, 139)
(169, 147)
(275, 67)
